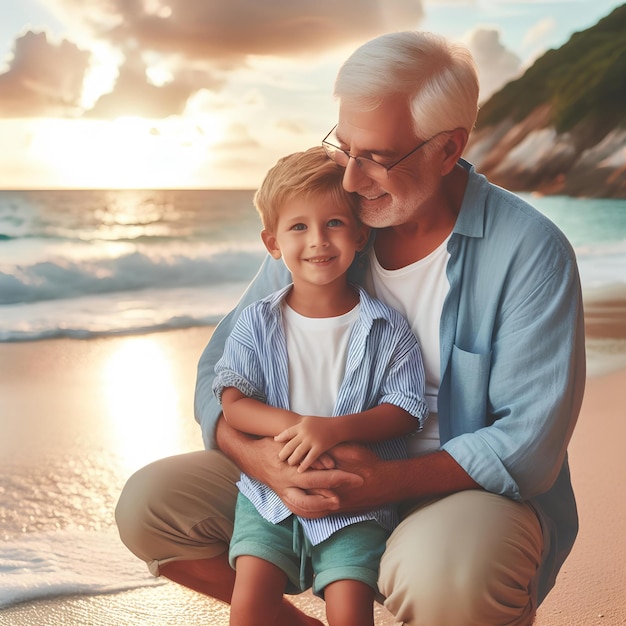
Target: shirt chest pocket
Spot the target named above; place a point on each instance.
(469, 386)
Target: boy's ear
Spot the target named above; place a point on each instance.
(362, 237)
(270, 243)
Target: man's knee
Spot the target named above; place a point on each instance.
(178, 508)
(469, 559)
(132, 513)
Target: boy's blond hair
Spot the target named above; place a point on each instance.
(300, 175)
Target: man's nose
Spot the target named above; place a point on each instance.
(353, 176)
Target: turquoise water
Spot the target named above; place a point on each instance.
(585, 221)
(597, 230)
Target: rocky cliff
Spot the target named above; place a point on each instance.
(561, 127)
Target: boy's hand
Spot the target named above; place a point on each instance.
(307, 441)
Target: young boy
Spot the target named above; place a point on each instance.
(318, 349)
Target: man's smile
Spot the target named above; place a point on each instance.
(366, 197)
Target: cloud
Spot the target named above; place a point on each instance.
(496, 64)
(238, 138)
(199, 42)
(230, 31)
(292, 126)
(134, 95)
(539, 31)
(43, 79)
(226, 32)
(536, 38)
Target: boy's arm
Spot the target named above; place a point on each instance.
(306, 440)
(254, 417)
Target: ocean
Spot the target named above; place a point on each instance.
(77, 265)
(91, 263)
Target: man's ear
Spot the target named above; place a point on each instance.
(362, 237)
(271, 244)
(453, 149)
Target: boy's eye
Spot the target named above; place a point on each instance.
(299, 226)
(335, 222)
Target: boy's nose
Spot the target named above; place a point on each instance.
(319, 238)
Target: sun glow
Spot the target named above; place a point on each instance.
(128, 152)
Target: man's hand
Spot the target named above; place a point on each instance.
(309, 494)
(330, 493)
(314, 493)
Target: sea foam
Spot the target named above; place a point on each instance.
(67, 562)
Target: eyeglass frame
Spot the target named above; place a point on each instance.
(350, 156)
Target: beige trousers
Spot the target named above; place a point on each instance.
(469, 559)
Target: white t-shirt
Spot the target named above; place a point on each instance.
(317, 349)
(418, 292)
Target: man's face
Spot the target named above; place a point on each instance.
(385, 135)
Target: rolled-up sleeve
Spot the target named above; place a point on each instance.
(239, 366)
(529, 381)
(403, 385)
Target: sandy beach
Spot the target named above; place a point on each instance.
(105, 407)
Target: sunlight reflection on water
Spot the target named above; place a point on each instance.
(142, 401)
(77, 418)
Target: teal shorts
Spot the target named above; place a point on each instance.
(351, 553)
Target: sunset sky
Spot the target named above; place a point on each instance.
(202, 93)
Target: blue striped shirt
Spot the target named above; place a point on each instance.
(384, 366)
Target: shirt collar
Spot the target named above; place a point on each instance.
(371, 308)
(471, 219)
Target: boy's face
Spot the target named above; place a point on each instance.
(316, 238)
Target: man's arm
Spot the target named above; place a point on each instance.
(513, 394)
(384, 482)
(271, 276)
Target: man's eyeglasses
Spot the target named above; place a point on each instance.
(368, 166)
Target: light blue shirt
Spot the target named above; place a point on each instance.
(512, 357)
(383, 366)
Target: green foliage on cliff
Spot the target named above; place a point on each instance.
(585, 79)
